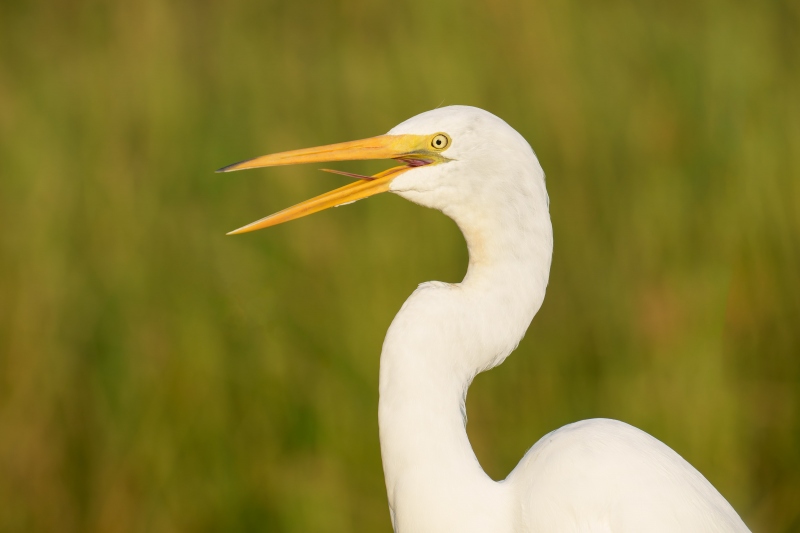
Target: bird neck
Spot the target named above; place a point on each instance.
(442, 337)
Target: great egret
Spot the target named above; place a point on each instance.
(594, 475)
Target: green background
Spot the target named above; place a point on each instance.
(157, 376)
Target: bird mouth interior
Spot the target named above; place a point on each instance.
(410, 162)
(415, 162)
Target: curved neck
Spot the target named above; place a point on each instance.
(442, 337)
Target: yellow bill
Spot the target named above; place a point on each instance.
(412, 150)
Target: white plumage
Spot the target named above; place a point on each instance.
(591, 476)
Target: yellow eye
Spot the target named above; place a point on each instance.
(440, 141)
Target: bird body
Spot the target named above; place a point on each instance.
(605, 475)
(591, 476)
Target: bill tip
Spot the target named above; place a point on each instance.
(229, 168)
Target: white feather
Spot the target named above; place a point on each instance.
(590, 476)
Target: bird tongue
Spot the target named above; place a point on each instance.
(408, 162)
(349, 174)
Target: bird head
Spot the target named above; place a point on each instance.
(456, 158)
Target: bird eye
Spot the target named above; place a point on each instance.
(440, 141)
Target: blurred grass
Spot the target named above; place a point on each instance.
(158, 376)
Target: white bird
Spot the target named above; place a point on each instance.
(595, 475)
